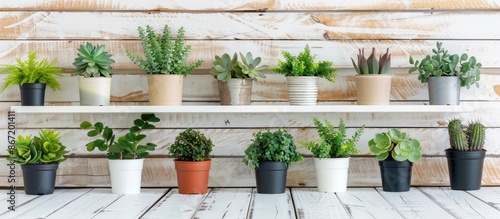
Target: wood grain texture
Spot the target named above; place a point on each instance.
(175, 205)
(272, 206)
(310, 204)
(21, 199)
(131, 206)
(225, 203)
(488, 195)
(366, 203)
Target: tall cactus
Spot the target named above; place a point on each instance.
(475, 136)
(458, 139)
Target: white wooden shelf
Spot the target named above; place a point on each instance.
(243, 109)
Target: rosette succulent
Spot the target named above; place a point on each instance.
(397, 144)
(43, 149)
(93, 61)
(224, 67)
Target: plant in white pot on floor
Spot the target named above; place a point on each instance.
(125, 153)
(332, 153)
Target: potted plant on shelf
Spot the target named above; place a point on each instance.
(270, 154)
(191, 152)
(331, 155)
(373, 82)
(446, 74)
(92, 65)
(165, 64)
(39, 157)
(32, 76)
(125, 153)
(396, 153)
(302, 74)
(235, 77)
(466, 155)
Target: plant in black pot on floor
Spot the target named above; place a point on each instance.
(396, 153)
(466, 155)
(270, 154)
(39, 157)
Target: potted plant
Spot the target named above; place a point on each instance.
(235, 77)
(396, 153)
(302, 74)
(373, 82)
(270, 154)
(32, 76)
(466, 155)
(92, 65)
(125, 153)
(331, 155)
(191, 152)
(446, 74)
(164, 61)
(39, 157)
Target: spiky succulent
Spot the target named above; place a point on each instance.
(397, 144)
(43, 149)
(371, 65)
(93, 61)
(470, 139)
(225, 68)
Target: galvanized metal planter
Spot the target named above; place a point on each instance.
(444, 90)
(237, 91)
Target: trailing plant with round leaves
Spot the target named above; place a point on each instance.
(397, 144)
(191, 145)
(224, 68)
(125, 147)
(93, 61)
(43, 149)
(31, 71)
(271, 146)
(470, 139)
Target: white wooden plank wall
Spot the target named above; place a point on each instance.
(333, 29)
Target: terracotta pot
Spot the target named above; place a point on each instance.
(165, 90)
(192, 176)
(94, 91)
(373, 89)
(236, 91)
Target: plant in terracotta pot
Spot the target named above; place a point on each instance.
(302, 74)
(396, 153)
(39, 157)
(446, 73)
(331, 155)
(466, 154)
(93, 66)
(373, 82)
(164, 61)
(191, 152)
(125, 153)
(235, 77)
(270, 154)
(33, 76)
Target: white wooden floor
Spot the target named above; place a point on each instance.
(421, 202)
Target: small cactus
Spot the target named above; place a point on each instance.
(475, 136)
(471, 139)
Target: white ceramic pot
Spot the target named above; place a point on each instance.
(302, 90)
(94, 91)
(331, 174)
(126, 176)
(373, 89)
(165, 90)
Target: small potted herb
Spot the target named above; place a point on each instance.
(270, 154)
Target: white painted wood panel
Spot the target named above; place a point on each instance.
(309, 203)
(225, 203)
(20, 198)
(489, 195)
(271, 206)
(175, 205)
(366, 203)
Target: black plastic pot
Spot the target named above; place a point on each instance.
(396, 175)
(465, 169)
(39, 179)
(32, 94)
(271, 177)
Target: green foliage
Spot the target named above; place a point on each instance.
(191, 145)
(225, 68)
(398, 144)
(125, 147)
(271, 146)
(162, 54)
(31, 71)
(371, 65)
(443, 64)
(470, 139)
(304, 65)
(93, 61)
(333, 143)
(43, 149)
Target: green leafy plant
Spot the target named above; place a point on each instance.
(162, 54)
(93, 61)
(397, 144)
(43, 149)
(470, 139)
(442, 64)
(371, 65)
(333, 143)
(125, 147)
(224, 68)
(304, 65)
(191, 145)
(271, 146)
(31, 71)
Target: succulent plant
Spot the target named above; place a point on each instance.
(371, 65)
(470, 139)
(43, 149)
(191, 145)
(225, 68)
(441, 63)
(397, 144)
(93, 61)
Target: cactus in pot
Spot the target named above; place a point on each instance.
(470, 139)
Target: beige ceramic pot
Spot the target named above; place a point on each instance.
(94, 91)
(165, 90)
(373, 89)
